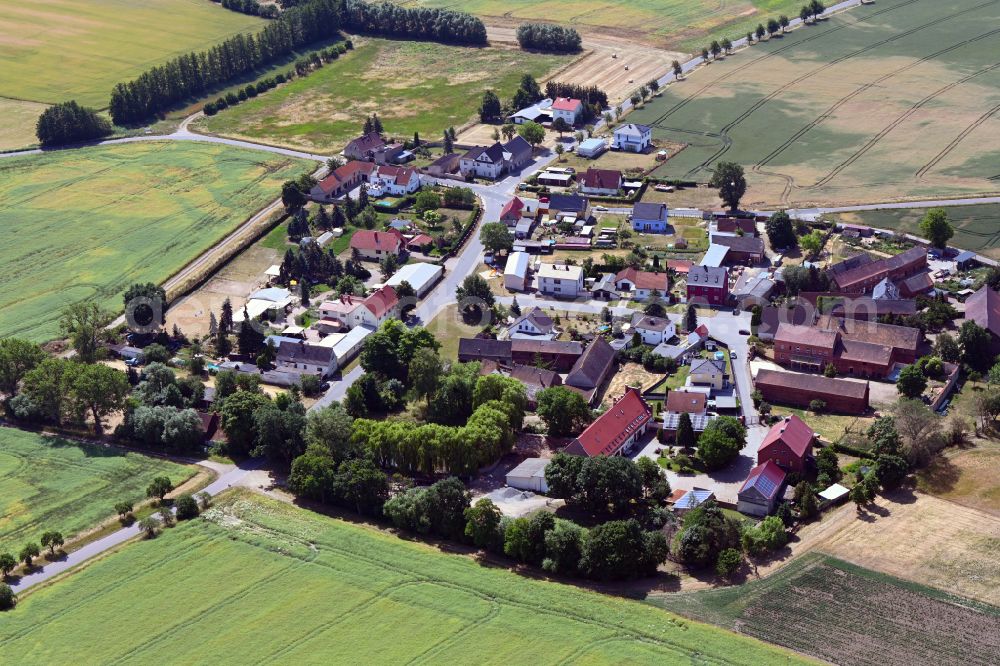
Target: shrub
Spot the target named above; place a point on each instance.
(728, 562)
(187, 507)
(7, 597)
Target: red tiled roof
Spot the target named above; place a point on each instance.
(849, 278)
(805, 335)
(420, 240)
(607, 434)
(381, 301)
(396, 174)
(365, 142)
(679, 265)
(377, 240)
(813, 384)
(679, 401)
(605, 179)
(343, 174)
(643, 279)
(767, 478)
(793, 432)
(566, 104)
(512, 208)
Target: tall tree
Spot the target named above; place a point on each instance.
(83, 324)
(936, 228)
(489, 108)
(780, 231)
(17, 358)
(732, 185)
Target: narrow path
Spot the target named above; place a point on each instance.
(231, 476)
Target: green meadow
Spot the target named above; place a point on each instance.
(257, 581)
(48, 483)
(413, 87)
(85, 224)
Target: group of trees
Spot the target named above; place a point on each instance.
(721, 441)
(251, 7)
(565, 412)
(606, 486)
(594, 99)
(548, 37)
(387, 18)
(249, 92)
(194, 74)
(68, 122)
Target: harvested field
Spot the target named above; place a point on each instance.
(92, 221)
(675, 24)
(889, 101)
(18, 127)
(977, 228)
(231, 587)
(56, 50)
(966, 476)
(849, 615)
(50, 483)
(412, 86)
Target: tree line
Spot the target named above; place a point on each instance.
(439, 25)
(68, 122)
(251, 7)
(193, 74)
(548, 37)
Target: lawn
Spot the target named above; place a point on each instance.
(829, 426)
(888, 101)
(413, 87)
(675, 24)
(54, 484)
(448, 328)
(975, 226)
(848, 615)
(84, 224)
(259, 581)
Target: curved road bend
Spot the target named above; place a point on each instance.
(228, 478)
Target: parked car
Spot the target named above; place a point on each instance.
(743, 331)
(601, 209)
(732, 354)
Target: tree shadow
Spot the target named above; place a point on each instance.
(58, 556)
(940, 476)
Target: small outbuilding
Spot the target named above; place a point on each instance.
(759, 494)
(515, 273)
(529, 475)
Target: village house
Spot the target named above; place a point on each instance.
(759, 494)
(650, 218)
(632, 138)
(708, 372)
(733, 226)
(535, 379)
(534, 323)
(592, 368)
(305, 358)
(642, 284)
(788, 444)
(655, 330)
(603, 182)
(568, 109)
(569, 205)
(517, 153)
(561, 280)
(799, 390)
(393, 180)
(983, 307)
(512, 212)
(340, 181)
(483, 162)
(444, 165)
(364, 147)
(616, 430)
(376, 245)
(854, 347)
(708, 284)
(747, 250)
(558, 355)
(370, 311)
(860, 274)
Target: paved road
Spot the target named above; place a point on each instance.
(231, 476)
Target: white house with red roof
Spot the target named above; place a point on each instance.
(567, 108)
(377, 307)
(616, 430)
(759, 494)
(511, 212)
(604, 182)
(642, 283)
(375, 245)
(789, 444)
(393, 180)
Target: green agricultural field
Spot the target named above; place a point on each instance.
(412, 86)
(257, 581)
(847, 615)
(672, 23)
(888, 101)
(977, 228)
(47, 483)
(55, 50)
(84, 224)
